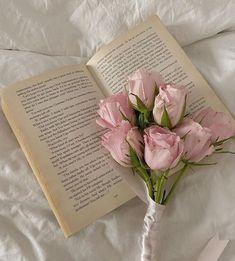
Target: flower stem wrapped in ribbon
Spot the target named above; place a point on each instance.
(150, 133)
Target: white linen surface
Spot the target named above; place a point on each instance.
(43, 34)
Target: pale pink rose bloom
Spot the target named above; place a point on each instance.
(118, 141)
(144, 85)
(221, 125)
(171, 97)
(114, 109)
(163, 148)
(197, 140)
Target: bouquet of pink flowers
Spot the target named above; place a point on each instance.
(150, 131)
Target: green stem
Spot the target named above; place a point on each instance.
(144, 175)
(160, 185)
(201, 164)
(220, 142)
(225, 151)
(198, 164)
(175, 173)
(183, 171)
(156, 188)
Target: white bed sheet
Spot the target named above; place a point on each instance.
(44, 34)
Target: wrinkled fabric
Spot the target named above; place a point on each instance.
(44, 34)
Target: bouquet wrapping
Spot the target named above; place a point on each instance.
(149, 240)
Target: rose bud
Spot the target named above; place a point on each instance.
(118, 141)
(163, 148)
(197, 140)
(114, 109)
(143, 85)
(221, 125)
(170, 105)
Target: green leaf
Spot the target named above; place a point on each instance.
(183, 137)
(134, 157)
(155, 94)
(220, 142)
(225, 151)
(141, 122)
(183, 111)
(145, 176)
(165, 120)
(146, 117)
(140, 105)
(143, 164)
(163, 197)
(124, 116)
(136, 160)
(201, 164)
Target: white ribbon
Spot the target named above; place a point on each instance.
(150, 235)
(213, 249)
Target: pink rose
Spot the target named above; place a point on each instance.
(197, 140)
(114, 109)
(118, 141)
(163, 148)
(221, 125)
(171, 98)
(144, 85)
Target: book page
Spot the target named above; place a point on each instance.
(53, 118)
(150, 46)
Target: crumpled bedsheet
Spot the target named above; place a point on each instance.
(42, 34)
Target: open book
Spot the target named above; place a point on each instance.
(53, 117)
